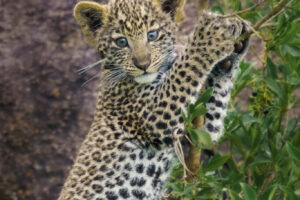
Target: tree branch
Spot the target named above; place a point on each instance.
(194, 155)
(265, 19)
(245, 10)
(202, 5)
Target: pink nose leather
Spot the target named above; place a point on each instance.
(141, 65)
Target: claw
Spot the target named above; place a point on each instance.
(244, 29)
(226, 65)
(238, 48)
(241, 45)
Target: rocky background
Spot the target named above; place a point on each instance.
(45, 112)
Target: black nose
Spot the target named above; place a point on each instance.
(140, 64)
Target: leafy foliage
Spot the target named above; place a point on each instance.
(262, 160)
(200, 138)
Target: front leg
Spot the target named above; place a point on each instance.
(212, 41)
(221, 79)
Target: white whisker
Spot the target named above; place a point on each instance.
(85, 69)
(114, 76)
(86, 82)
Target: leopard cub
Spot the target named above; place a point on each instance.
(128, 151)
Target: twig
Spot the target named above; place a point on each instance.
(245, 10)
(268, 25)
(266, 183)
(256, 55)
(193, 158)
(265, 19)
(249, 25)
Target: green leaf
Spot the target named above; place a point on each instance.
(288, 191)
(293, 80)
(249, 193)
(274, 86)
(232, 165)
(297, 193)
(202, 136)
(205, 139)
(236, 5)
(244, 77)
(249, 15)
(261, 159)
(175, 187)
(247, 118)
(269, 192)
(204, 194)
(215, 163)
(271, 69)
(233, 195)
(290, 49)
(194, 136)
(292, 123)
(286, 70)
(183, 115)
(191, 107)
(198, 110)
(204, 98)
(187, 189)
(293, 151)
(218, 7)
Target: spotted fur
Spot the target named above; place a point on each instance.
(128, 151)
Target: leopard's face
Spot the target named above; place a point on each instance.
(140, 43)
(135, 42)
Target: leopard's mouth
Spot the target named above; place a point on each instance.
(149, 77)
(158, 70)
(146, 77)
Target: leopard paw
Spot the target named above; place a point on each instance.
(217, 36)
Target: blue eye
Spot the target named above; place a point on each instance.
(152, 35)
(121, 42)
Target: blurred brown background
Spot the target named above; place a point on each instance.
(44, 110)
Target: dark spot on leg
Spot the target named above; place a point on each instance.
(141, 182)
(111, 195)
(161, 125)
(139, 194)
(219, 103)
(217, 115)
(150, 170)
(150, 155)
(97, 188)
(124, 193)
(139, 168)
(168, 141)
(209, 116)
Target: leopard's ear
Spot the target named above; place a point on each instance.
(174, 7)
(91, 16)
